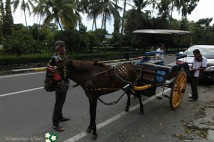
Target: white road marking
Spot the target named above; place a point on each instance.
(106, 122)
(18, 92)
(6, 76)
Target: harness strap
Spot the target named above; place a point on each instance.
(101, 89)
(112, 103)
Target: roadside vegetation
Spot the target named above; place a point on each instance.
(62, 20)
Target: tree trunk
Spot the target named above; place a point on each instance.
(124, 11)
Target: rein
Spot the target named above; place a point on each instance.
(112, 103)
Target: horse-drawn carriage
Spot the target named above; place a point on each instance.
(97, 79)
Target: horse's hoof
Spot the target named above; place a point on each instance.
(127, 109)
(142, 112)
(88, 130)
(94, 137)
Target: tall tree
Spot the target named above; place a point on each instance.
(123, 17)
(185, 6)
(79, 9)
(164, 8)
(136, 18)
(107, 9)
(24, 5)
(1, 17)
(63, 12)
(7, 19)
(117, 20)
(92, 9)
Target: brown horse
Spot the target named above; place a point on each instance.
(97, 78)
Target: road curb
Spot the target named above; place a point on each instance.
(39, 69)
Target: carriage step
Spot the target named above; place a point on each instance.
(169, 81)
(127, 87)
(166, 96)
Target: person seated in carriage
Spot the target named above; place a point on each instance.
(160, 52)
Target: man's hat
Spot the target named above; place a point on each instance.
(58, 44)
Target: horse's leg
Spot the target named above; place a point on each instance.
(89, 129)
(128, 101)
(92, 126)
(141, 104)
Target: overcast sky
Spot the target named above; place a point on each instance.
(205, 9)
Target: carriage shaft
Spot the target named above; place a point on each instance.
(140, 88)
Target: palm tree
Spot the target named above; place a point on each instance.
(92, 9)
(63, 12)
(104, 8)
(24, 5)
(164, 8)
(185, 6)
(123, 18)
(108, 8)
(79, 9)
(136, 18)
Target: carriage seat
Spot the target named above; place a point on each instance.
(157, 62)
(157, 67)
(162, 71)
(163, 68)
(152, 73)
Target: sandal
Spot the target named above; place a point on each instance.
(58, 128)
(64, 119)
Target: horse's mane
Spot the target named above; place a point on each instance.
(85, 65)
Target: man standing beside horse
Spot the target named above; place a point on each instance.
(58, 62)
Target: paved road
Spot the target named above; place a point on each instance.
(26, 111)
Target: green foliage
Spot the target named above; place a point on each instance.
(22, 44)
(184, 24)
(204, 22)
(92, 39)
(117, 39)
(100, 33)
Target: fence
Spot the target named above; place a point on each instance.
(7, 57)
(20, 58)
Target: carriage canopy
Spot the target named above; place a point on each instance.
(161, 31)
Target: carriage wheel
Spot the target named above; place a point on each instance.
(178, 89)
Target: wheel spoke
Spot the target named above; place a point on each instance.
(178, 89)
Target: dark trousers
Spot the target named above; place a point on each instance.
(194, 84)
(60, 100)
